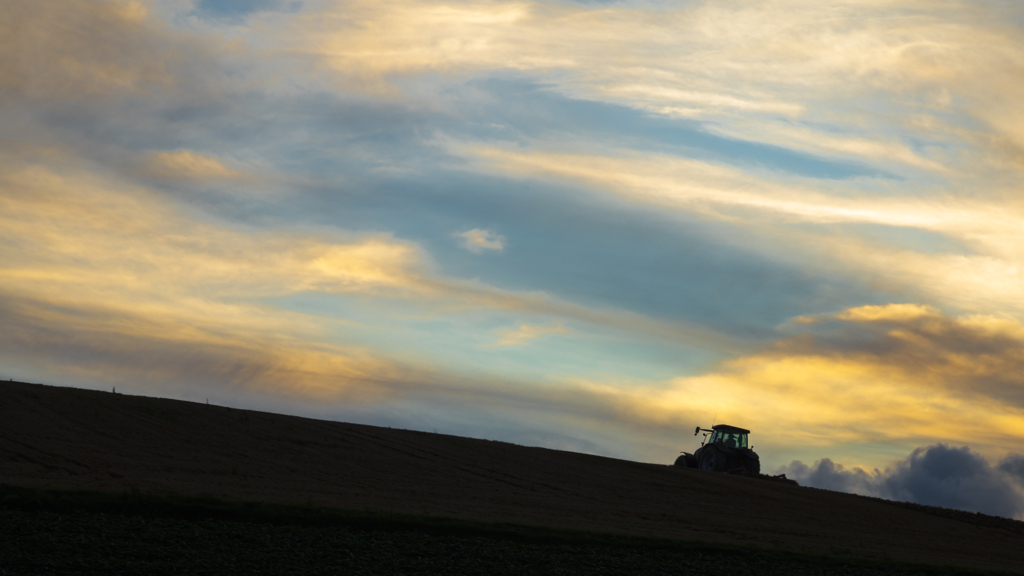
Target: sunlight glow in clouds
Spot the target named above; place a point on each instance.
(581, 225)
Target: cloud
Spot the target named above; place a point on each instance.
(82, 50)
(972, 355)
(160, 352)
(937, 475)
(237, 10)
(1013, 467)
(477, 240)
(186, 164)
(864, 378)
(89, 239)
(526, 332)
(731, 193)
(787, 216)
(108, 239)
(757, 68)
(83, 240)
(739, 67)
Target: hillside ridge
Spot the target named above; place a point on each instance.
(69, 438)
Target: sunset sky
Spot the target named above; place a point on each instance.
(583, 225)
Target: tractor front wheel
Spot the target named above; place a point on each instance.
(686, 461)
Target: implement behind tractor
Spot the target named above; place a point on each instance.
(726, 451)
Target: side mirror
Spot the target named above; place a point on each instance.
(697, 431)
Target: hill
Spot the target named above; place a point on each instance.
(52, 437)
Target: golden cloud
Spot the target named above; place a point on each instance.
(897, 375)
(80, 239)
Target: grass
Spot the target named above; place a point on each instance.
(85, 532)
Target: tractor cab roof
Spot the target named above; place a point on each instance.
(730, 429)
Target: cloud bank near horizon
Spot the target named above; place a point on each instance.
(938, 475)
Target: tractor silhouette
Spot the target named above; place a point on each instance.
(726, 451)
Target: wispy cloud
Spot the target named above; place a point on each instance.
(986, 276)
(477, 241)
(724, 60)
(112, 238)
(526, 332)
(186, 164)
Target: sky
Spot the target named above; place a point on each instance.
(585, 225)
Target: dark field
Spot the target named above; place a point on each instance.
(68, 439)
(55, 532)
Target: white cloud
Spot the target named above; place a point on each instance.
(477, 240)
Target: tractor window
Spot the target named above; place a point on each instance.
(730, 440)
(716, 436)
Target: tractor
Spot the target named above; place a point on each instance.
(726, 451)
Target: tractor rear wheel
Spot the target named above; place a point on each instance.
(753, 466)
(713, 460)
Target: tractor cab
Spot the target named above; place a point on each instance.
(731, 436)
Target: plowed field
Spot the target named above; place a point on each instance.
(54, 437)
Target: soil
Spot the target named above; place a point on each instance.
(66, 438)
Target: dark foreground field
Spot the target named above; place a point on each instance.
(63, 438)
(64, 532)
